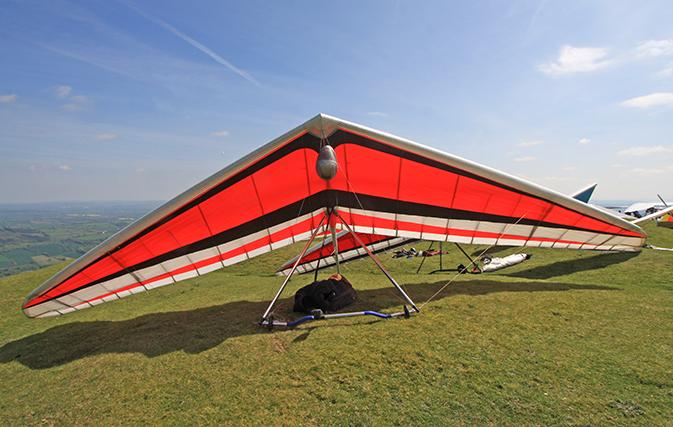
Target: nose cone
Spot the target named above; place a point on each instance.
(327, 165)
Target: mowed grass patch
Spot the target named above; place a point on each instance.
(565, 338)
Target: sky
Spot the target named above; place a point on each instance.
(141, 100)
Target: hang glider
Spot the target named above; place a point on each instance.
(666, 221)
(327, 173)
(584, 193)
(642, 209)
(655, 215)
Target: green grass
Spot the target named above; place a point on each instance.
(565, 338)
(20, 256)
(50, 249)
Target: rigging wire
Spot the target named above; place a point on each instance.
(482, 254)
(350, 185)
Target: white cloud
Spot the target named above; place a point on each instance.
(71, 107)
(529, 143)
(62, 92)
(39, 168)
(65, 167)
(376, 113)
(644, 151)
(576, 59)
(666, 72)
(654, 48)
(585, 141)
(81, 99)
(524, 159)
(223, 133)
(8, 99)
(106, 137)
(583, 59)
(569, 168)
(559, 178)
(661, 98)
(642, 171)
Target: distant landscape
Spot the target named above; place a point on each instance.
(33, 236)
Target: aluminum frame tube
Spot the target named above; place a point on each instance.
(294, 267)
(377, 262)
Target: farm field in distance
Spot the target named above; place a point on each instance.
(33, 236)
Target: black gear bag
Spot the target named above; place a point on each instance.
(328, 295)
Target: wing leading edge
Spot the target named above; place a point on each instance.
(274, 197)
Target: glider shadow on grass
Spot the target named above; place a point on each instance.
(195, 331)
(564, 268)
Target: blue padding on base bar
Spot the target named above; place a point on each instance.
(302, 320)
(307, 318)
(373, 313)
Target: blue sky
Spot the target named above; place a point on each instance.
(140, 100)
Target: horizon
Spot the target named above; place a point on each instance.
(602, 203)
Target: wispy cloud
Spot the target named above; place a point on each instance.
(661, 98)
(529, 143)
(666, 72)
(62, 92)
(8, 99)
(377, 113)
(585, 141)
(559, 178)
(194, 43)
(584, 59)
(71, 107)
(644, 151)
(81, 99)
(78, 101)
(127, 57)
(525, 159)
(223, 133)
(106, 137)
(654, 48)
(65, 167)
(576, 59)
(643, 171)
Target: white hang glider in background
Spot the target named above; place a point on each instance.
(324, 175)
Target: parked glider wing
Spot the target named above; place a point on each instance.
(274, 197)
(666, 221)
(584, 193)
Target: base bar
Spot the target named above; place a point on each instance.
(332, 316)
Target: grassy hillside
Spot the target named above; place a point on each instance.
(566, 338)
